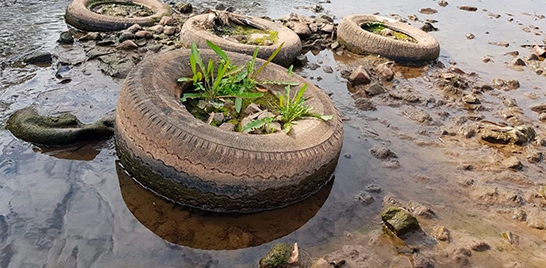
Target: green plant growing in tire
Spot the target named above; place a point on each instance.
(216, 83)
(289, 109)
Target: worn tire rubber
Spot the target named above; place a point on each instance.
(78, 15)
(360, 41)
(189, 162)
(192, 31)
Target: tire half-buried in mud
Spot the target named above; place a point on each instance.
(192, 163)
(193, 31)
(360, 41)
(79, 15)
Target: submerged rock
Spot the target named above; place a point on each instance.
(39, 57)
(278, 256)
(64, 129)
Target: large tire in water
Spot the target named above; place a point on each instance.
(192, 163)
(360, 41)
(79, 15)
(193, 31)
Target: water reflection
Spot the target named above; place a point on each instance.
(203, 230)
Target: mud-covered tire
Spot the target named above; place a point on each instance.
(80, 16)
(193, 31)
(192, 163)
(360, 41)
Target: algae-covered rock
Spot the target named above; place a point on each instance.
(399, 220)
(64, 129)
(277, 256)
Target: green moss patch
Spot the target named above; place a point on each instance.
(117, 9)
(247, 34)
(381, 29)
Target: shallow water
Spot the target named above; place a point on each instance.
(75, 207)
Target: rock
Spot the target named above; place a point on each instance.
(468, 8)
(500, 44)
(480, 246)
(321, 263)
(128, 45)
(470, 99)
(428, 11)
(374, 89)
(462, 256)
(64, 129)
(155, 47)
(382, 153)
(329, 28)
(384, 71)
(535, 157)
(539, 108)
(498, 83)
(505, 135)
(66, 37)
(277, 256)
(470, 36)
(167, 21)
(39, 57)
(227, 126)
(169, 30)
(518, 62)
(428, 27)
(157, 29)
(399, 220)
(301, 29)
(519, 214)
(387, 32)
(418, 115)
(421, 261)
(143, 34)
(126, 35)
(442, 234)
(317, 8)
(511, 238)
(509, 102)
(365, 104)
(443, 3)
(184, 8)
(327, 69)
(91, 36)
(313, 27)
(512, 163)
(134, 28)
(360, 76)
(373, 188)
(423, 211)
(512, 84)
(364, 198)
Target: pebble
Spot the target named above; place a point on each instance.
(518, 62)
(364, 198)
(134, 28)
(327, 69)
(442, 234)
(169, 30)
(167, 20)
(428, 10)
(512, 163)
(443, 3)
(373, 188)
(158, 29)
(365, 104)
(143, 34)
(126, 35)
(127, 45)
(359, 76)
(184, 8)
(327, 28)
(468, 8)
(480, 246)
(65, 38)
(470, 36)
(39, 57)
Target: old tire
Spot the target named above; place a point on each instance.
(80, 16)
(189, 162)
(193, 31)
(360, 41)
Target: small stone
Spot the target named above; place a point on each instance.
(155, 47)
(327, 69)
(313, 27)
(374, 89)
(535, 157)
(317, 8)
(334, 45)
(143, 34)
(518, 62)
(386, 32)
(301, 29)
(65, 38)
(278, 256)
(500, 44)
(91, 36)
(470, 99)
(442, 234)
(169, 30)
(498, 82)
(359, 76)
(157, 29)
(364, 198)
(428, 11)
(428, 27)
(184, 8)
(382, 153)
(126, 35)
(167, 20)
(470, 36)
(134, 28)
(539, 108)
(365, 104)
(443, 3)
(127, 45)
(329, 28)
(373, 188)
(468, 8)
(512, 163)
(39, 57)
(384, 71)
(512, 84)
(509, 102)
(480, 246)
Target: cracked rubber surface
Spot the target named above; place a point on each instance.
(78, 15)
(189, 162)
(360, 41)
(193, 31)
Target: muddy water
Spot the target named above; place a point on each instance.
(75, 207)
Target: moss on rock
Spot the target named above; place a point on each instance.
(399, 220)
(277, 256)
